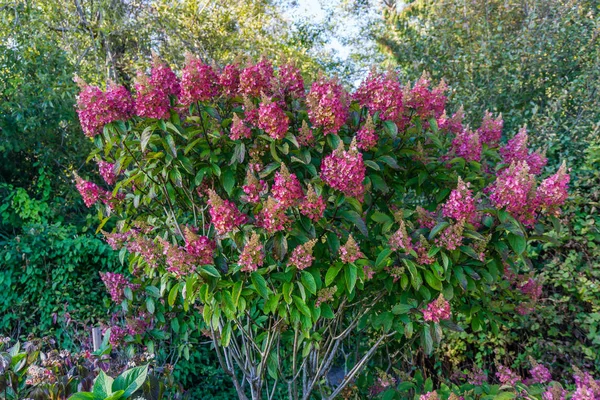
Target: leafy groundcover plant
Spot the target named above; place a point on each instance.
(305, 224)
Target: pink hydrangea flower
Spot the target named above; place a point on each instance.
(117, 335)
(438, 310)
(490, 131)
(427, 103)
(452, 124)
(107, 171)
(252, 256)
(515, 149)
(88, 190)
(116, 284)
(514, 190)
(381, 93)
(467, 145)
(554, 392)
(553, 191)
(179, 261)
(151, 101)
(461, 204)
(272, 119)
(256, 79)
(313, 205)
(224, 214)
(366, 137)
(96, 108)
(540, 374)
(253, 188)
(239, 129)
(345, 171)
(506, 376)
(536, 161)
(286, 188)
(290, 80)
(327, 105)
(350, 252)
(302, 256)
(425, 219)
(272, 217)
(451, 237)
(250, 112)
(229, 80)
(400, 239)
(200, 247)
(116, 240)
(305, 137)
(199, 82)
(429, 396)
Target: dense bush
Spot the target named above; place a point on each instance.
(304, 224)
(536, 62)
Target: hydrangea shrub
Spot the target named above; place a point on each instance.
(294, 217)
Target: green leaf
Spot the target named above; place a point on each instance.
(351, 273)
(437, 229)
(415, 277)
(150, 305)
(301, 305)
(211, 270)
(173, 294)
(382, 257)
(131, 380)
(353, 216)
(505, 396)
(332, 272)
(432, 281)
(372, 164)
(391, 128)
(427, 340)
(85, 396)
(228, 178)
(116, 395)
(326, 311)
(309, 282)
(401, 309)
(103, 385)
(518, 243)
(236, 292)
(260, 284)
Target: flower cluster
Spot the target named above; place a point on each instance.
(400, 239)
(88, 190)
(427, 103)
(345, 170)
(199, 82)
(224, 214)
(490, 131)
(272, 216)
(384, 381)
(454, 123)
(366, 137)
(229, 80)
(313, 205)
(514, 190)
(153, 93)
(350, 251)
(466, 144)
(96, 108)
(107, 172)
(516, 150)
(552, 192)
(286, 188)
(305, 137)
(239, 129)
(438, 310)
(253, 188)
(200, 247)
(252, 256)
(451, 237)
(506, 376)
(302, 257)
(327, 105)
(325, 295)
(256, 79)
(381, 93)
(290, 80)
(272, 119)
(116, 284)
(461, 204)
(540, 374)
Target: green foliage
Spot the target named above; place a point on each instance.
(50, 270)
